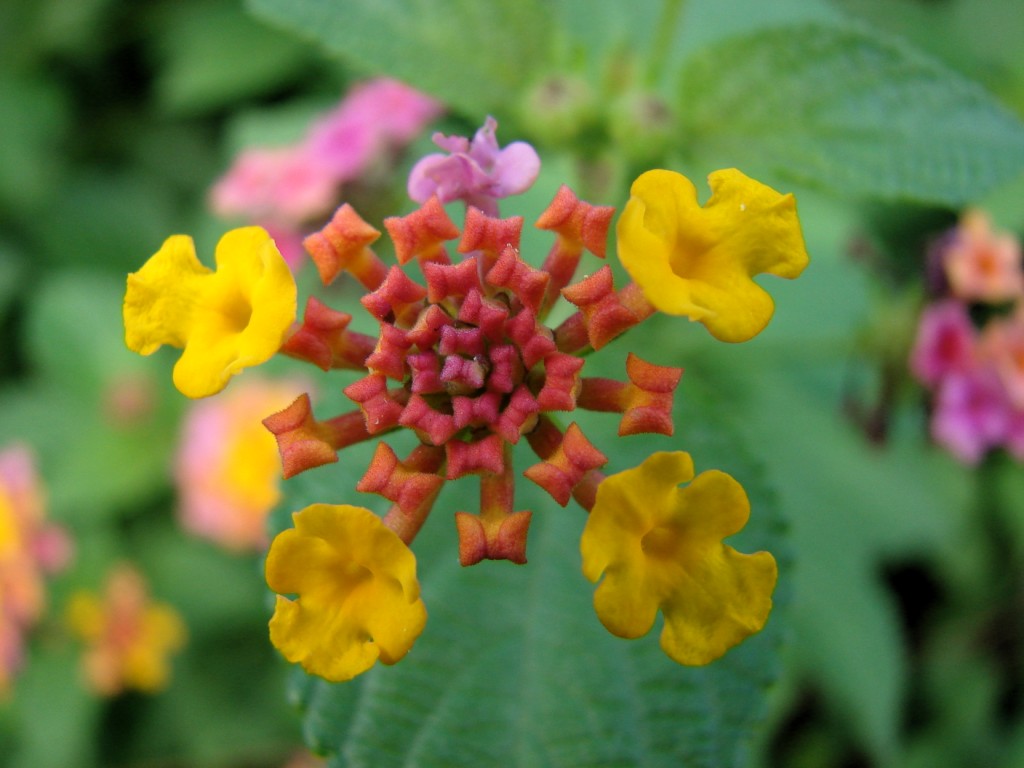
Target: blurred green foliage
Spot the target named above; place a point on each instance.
(897, 640)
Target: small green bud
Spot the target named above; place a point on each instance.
(559, 108)
(642, 125)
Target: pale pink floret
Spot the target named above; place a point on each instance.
(293, 184)
(983, 264)
(945, 342)
(282, 185)
(476, 172)
(228, 469)
(286, 188)
(375, 117)
(972, 414)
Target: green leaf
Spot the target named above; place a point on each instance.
(851, 507)
(514, 667)
(50, 699)
(473, 56)
(88, 225)
(215, 55)
(12, 274)
(848, 111)
(33, 119)
(91, 460)
(976, 37)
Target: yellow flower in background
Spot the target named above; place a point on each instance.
(31, 548)
(698, 261)
(129, 636)
(358, 596)
(659, 546)
(224, 321)
(227, 468)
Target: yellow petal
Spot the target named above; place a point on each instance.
(158, 304)
(224, 321)
(624, 604)
(358, 597)
(698, 261)
(725, 600)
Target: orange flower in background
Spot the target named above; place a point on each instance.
(228, 469)
(1002, 346)
(983, 264)
(224, 321)
(699, 261)
(129, 637)
(659, 547)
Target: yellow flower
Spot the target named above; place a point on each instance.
(129, 636)
(224, 321)
(660, 546)
(358, 597)
(698, 261)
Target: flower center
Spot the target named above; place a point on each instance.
(663, 542)
(238, 314)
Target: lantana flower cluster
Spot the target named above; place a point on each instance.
(464, 359)
(30, 549)
(129, 637)
(969, 349)
(286, 188)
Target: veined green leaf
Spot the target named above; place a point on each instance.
(214, 55)
(473, 56)
(843, 109)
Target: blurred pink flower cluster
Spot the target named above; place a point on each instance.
(284, 189)
(970, 343)
(30, 548)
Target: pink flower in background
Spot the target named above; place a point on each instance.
(30, 548)
(288, 189)
(286, 185)
(983, 264)
(971, 415)
(945, 342)
(969, 348)
(476, 172)
(288, 241)
(376, 117)
(228, 468)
